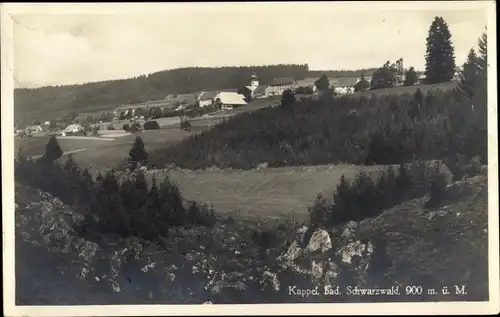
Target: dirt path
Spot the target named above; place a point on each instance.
(272, 192)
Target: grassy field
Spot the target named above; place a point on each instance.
(270, 193)
(100, 154)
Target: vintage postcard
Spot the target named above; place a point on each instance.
(250, 158)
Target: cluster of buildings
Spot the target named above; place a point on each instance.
(229, 98)
(224, 99)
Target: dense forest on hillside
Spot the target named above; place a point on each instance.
(61, 101)
(366, 130)
(342, 73)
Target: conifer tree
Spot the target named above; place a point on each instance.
(52, 150)
(137, 154)
(470, 74)
(440, 56)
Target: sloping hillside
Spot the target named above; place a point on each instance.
(407, 245)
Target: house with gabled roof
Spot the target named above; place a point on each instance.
(229, 100)
(206, 98)
(279, 85)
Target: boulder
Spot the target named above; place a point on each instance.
(320, 241)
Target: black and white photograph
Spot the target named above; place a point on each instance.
(174, 158)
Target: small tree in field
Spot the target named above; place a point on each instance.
(52, 150)
(288, 98)
(137, 154)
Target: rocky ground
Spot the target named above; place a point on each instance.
(241, 261)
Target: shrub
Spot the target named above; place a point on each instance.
(52, 150)
(111, 127)
(135, 127)
(185, 124)
(151, 125)
(437, 189)
(95, 130)
(126, 127)
(137, 154)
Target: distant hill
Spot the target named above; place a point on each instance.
(60, 101)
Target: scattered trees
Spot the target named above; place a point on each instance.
(440, 56)
(384, 77)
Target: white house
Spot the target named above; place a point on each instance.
(206, 98)
(279, 85)
(344, 85)
(73, 129)
(228, 100)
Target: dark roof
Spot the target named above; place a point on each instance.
(343, 81)
(260, 89)
(281, 81)
(208, 94)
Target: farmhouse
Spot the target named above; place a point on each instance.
(73, 129)
(344, 85)
(206, 98)
(229, 100)
(279, 85)
(38, 128)
(259, 92)
(308, 82)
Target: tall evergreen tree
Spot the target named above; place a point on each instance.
(483, 54)
(440, 56)
(52, 150)
(137, 154)
(470, 73)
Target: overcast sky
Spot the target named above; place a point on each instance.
(52, 49)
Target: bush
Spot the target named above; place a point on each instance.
(135, 127)
(126, 127)
(185, 124)
(111, 127)
(151, 125)
(95, 130)
(437, 189)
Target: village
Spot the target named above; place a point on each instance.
(173, 107)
